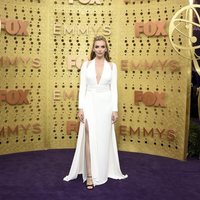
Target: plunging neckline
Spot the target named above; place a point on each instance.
(96, 72)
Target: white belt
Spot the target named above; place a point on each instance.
(102, 88)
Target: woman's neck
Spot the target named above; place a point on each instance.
(99, 59)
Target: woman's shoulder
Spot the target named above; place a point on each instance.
(112, 65)
(85, 64)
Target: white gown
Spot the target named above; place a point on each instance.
(97, 100)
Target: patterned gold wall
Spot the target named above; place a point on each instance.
(23, 127)
(48, 65)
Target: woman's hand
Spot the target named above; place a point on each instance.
(81, 115)
(197, 92)
(114, 117)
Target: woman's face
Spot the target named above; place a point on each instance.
(99, 48)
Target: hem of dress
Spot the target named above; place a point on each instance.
(67, 179)
(100, 183)
(119, 178)
(111, 177)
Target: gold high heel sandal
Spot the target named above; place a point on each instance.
(89, 185)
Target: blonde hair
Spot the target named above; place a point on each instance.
(106, 55)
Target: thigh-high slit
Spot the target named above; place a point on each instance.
(87, 150)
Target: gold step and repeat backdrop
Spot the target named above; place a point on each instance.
(43, 44)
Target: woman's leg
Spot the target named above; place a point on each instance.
(88, 157)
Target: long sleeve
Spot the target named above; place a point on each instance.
(114, 88)
(83, 86)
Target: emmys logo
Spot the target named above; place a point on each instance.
(58, 95)
(153, 132)
(91, 2)
(81, 30)
(14, 27)
(7, 131)
(6, 61)
(144, 64)
(182, 25)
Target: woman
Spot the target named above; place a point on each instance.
(96, 156)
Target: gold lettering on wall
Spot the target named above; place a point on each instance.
(74, 61)
(167, 64)
(20, 129)
(98, 2)
(15, 61)
(14, 27)
(150, 29)
(14, 97)
(36, 63)
(127, 1)
(81, 30)
(58, 95)
(72, 126)
(155, 99)
(155, 133)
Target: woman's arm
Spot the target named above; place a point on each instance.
(114, 88)
(114, 93)
(82, 91)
